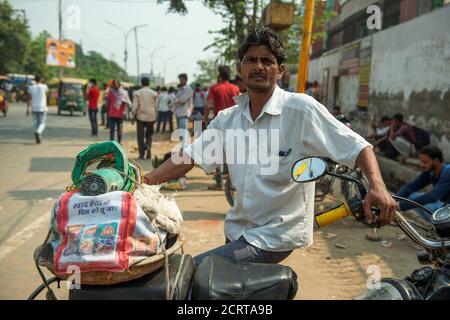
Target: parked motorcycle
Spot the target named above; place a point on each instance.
(428, 283)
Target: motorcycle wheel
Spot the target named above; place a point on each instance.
(230, 191)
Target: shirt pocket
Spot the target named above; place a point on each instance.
(280, 170)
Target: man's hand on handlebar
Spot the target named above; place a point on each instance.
(379, 197)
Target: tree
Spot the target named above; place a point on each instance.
(14, 40)
(292, 37)
(208, 72)
(240, 17)
(35, 58)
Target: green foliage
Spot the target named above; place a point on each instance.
(240, 18)
(22, 54)
(14, 40)
(292, 37)
(208, 72)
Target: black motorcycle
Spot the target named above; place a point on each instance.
(428, 283)
(177, 278)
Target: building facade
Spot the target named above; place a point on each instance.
(402, 67)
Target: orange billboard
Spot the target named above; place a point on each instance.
(60, 53)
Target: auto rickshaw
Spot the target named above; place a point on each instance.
(68, 94)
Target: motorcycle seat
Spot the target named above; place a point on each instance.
(217, 278)
(148, 287)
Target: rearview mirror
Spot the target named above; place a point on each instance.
(308, 169)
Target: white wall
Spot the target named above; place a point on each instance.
(413, 56)
(348, 92)
(411, 74)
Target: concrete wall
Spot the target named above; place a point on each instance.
(411, 74)
(330, 60)
(348, 93)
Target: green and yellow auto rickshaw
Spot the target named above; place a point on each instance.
(68, 94)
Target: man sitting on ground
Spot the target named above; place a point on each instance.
(402, 136)
(435, 172)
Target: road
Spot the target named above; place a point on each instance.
(33, 176)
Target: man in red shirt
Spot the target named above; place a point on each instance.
(220, 97)
(402, 136)
(118, 100)
(92, 96)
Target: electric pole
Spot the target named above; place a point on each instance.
(302, 72)
(61, 70)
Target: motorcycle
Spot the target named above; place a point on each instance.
(431, 282)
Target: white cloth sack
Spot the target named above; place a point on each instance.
(108, 232)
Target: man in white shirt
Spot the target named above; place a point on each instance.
(144, 111)
(272, 214)
(183, 105)
(37, 98)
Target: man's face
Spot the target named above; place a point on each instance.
(386, 123)
(395, 122)
(259, 69)
(115, 85)
(427, 163)
(183, 81)
(53, 50)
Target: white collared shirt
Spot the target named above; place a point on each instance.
(272, 211)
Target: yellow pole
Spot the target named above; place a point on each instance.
(302, 73)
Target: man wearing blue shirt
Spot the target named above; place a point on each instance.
(436, 172)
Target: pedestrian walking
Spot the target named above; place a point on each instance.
(118, 100)
(163, 101)
(93, 94)
(172, 96)
(105, 105)
(37, 99)
(144, 112)
(220, 97)
(183, 106)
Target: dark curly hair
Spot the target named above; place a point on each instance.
(264, 36)
(433, 152)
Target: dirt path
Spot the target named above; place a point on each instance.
(325, 271)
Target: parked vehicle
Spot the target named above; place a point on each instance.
(68, 94)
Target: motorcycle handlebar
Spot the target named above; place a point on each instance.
(417, 237)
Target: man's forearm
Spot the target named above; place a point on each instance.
(369, 166)
(170, 170)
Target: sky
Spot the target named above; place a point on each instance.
(183, 37)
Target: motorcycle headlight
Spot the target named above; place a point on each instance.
(386, 292)
(391, 289)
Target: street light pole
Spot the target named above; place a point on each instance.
(151, 57)
(61, 70)
(137, 49)
(125, 44)
(126, 34)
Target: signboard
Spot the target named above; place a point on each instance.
(350, 60)
(364, 73)
(60, 53)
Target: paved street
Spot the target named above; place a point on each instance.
(32, 176)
